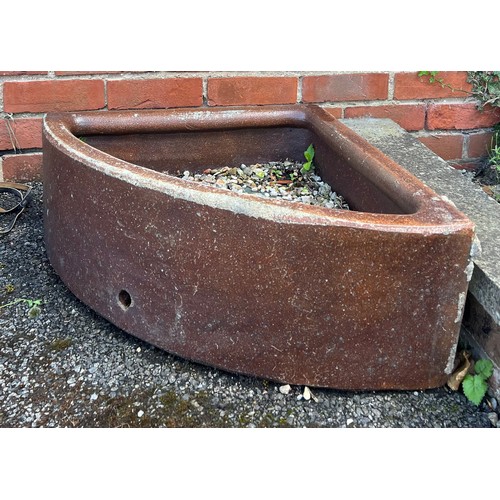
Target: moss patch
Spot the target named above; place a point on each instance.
(60, 344)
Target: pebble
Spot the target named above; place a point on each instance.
(307, 393)
(140, 413)
(493, 418)
(285, 389)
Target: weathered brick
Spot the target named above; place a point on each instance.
(411, 86)
(345, 87)
(70, 73)
(460, 116)
(235, 91)
(22, 167)
(408, 116)
(19, 73)
(448, 147)
(335, 112)
(23, 133)
(479, 144)
(53, 95)
(155, 93)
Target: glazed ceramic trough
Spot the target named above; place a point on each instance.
(370, 298)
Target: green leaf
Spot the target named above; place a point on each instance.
(432, 76)
(474, 388)
(309, 153)
(306, 167)
(31, 302)
(484, 368)
(34, 312)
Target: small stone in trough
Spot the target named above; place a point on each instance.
(277, 180)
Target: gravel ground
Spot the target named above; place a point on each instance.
(68, 367)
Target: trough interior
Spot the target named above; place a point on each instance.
(173, 152)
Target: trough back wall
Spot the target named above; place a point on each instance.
(446, 121)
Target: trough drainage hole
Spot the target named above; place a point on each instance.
(125, 299)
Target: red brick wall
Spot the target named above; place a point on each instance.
(446, 121)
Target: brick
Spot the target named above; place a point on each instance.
(411, 86)
(19, 73)
(408, 116)
(345, 87)
(22, 167)
(155, 93)
(27, 133)
(448, 147)
(235, 91)
(53, 95)
(479, 144)
(71, 73)
(335, 112)
(460, 116)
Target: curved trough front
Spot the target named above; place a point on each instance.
(365, 299)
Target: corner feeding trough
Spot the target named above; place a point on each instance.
(369, 298)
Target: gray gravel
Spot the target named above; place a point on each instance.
(283, 180)
(68, 367)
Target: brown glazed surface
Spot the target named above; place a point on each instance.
(366, 299)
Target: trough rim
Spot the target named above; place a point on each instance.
(433, 214)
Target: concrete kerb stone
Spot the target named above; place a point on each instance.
(484, 286)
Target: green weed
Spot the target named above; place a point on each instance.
(475, 386)
(33, 305)
(309, 156)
